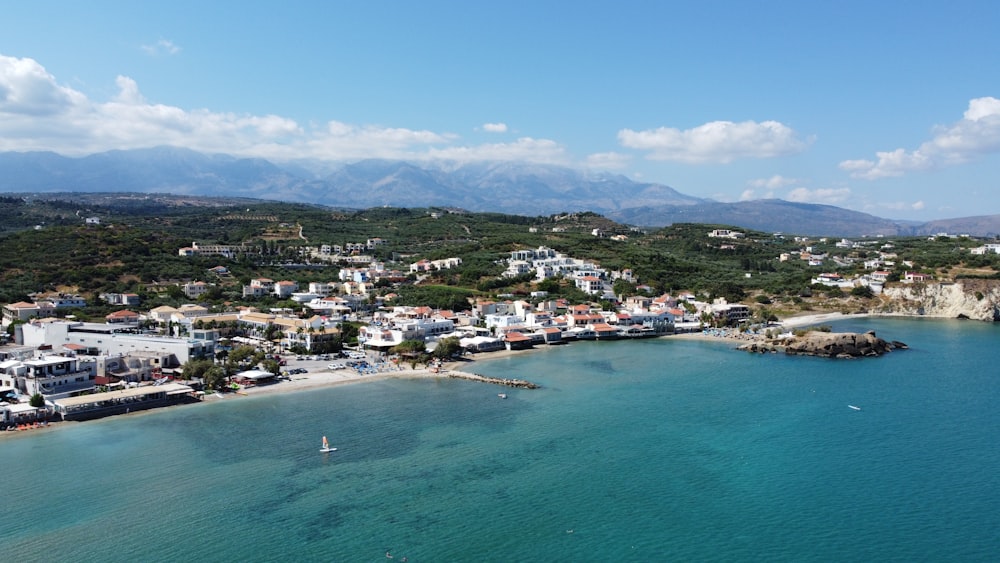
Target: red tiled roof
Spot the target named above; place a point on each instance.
(121, 314)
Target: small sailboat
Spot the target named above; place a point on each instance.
(326, 446)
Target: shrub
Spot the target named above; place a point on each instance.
(863, 291)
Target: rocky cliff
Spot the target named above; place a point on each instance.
(972, 299)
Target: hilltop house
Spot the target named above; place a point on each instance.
(23, 311)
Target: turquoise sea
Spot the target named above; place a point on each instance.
(658, 450)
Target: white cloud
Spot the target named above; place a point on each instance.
(717, 141)
(495, 127)
(828, 196)
(27, 90)
(774, 182)
(900, 205)
(543, 151)
(977, 133)
(128, 92)
(37, 113)
(161, 47)
(764, 188)
(608, 160)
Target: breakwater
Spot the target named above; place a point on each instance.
(519, 383)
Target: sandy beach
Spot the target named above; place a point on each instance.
(787, 324)
(799, 321)
(328, 378)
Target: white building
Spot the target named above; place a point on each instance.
(986, 249)
(113, 340)
(195, 290)
(725, 233)
(50, 375)
(285, 289)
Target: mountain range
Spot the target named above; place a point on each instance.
(507, 187)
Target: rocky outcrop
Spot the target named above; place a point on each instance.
(829, 345)
(964, 299)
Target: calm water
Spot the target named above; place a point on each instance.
(634, 451)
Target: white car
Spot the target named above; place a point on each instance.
(336, 366)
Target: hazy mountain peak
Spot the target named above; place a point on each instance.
(505, 186)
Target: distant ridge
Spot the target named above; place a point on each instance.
(767, 215)
(508, 187)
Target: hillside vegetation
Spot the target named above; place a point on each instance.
(47, 246)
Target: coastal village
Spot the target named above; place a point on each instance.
(55, 367)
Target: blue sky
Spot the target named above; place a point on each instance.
(891, 108)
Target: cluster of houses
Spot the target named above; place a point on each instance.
(886, 257)
(990, 248)
(874, 280)
(328, 251)
(63, 359)
(496, 325)
(42, 306)
(547, 263)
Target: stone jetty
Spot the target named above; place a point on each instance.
(519, 383)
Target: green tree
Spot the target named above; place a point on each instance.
(271, 366)
(623, 288)
(862, 291)
(194, 369)
(447, 347)
(731, 291)
(37, 401)
(12, 326)
(410, 348)
(214, 378)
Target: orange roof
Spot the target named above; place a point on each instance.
(120, 314)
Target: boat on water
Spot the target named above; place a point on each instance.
(852, 407)
(326, 446)
(502, 395)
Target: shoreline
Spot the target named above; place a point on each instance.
(333, 378)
